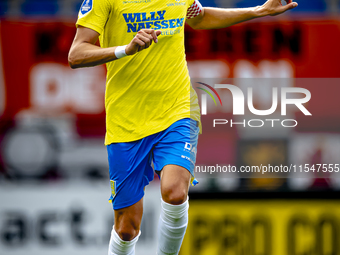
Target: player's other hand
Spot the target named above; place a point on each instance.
(274, 7)
(142, 40)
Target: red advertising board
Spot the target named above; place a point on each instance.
(36, 76)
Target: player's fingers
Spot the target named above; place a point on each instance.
(154, 36)
(283, 8)
(153, 33)
(289, 6)
(139, 43)
(145, 39)
(148, 31)
(148, 37)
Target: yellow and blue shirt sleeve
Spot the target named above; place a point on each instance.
(93, 14)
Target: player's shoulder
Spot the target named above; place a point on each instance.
(86, 7)
(89, 5)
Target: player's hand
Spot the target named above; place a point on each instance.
(274, 7)
(142, 41)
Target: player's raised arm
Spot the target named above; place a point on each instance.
(84, 52)
(213, 18)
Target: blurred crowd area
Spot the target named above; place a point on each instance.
(71, 7)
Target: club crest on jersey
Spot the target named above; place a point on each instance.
(86, 7)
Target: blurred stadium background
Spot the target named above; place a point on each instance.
(53, 167)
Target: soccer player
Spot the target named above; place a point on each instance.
(152, 112)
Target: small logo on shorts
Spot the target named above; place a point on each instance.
(113, 188)
(189, 147)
